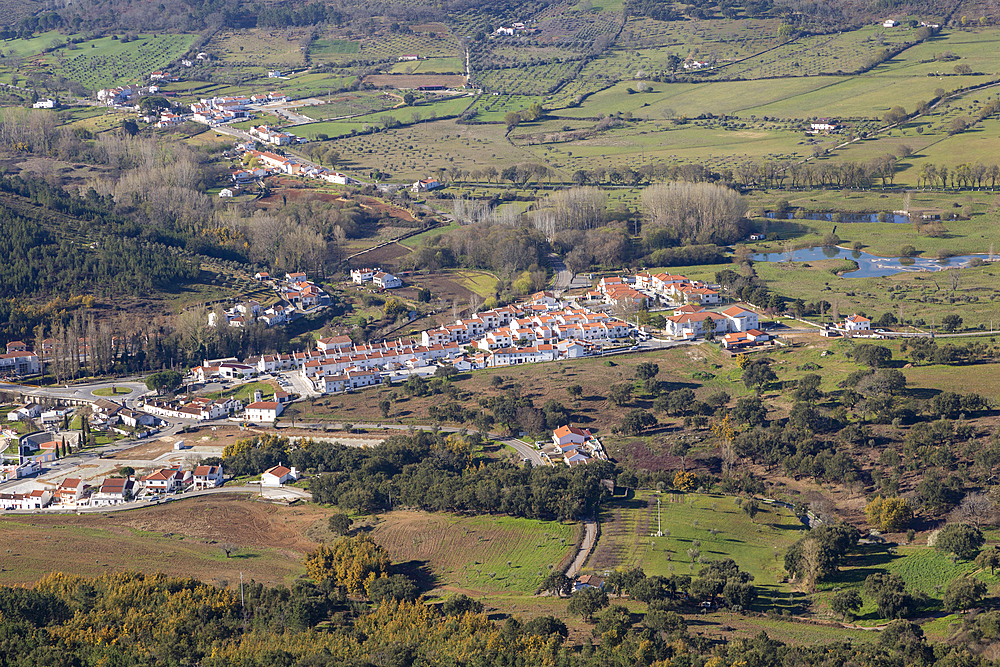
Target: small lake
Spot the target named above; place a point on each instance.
(845, 217)
(869, 266)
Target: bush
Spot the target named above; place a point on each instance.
(960, 539)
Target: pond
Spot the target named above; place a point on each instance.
(845, 217)
(869, 266)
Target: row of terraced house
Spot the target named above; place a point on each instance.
(543, 329)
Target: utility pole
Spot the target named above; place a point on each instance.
(242, 600)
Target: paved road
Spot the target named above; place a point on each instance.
(83, 392)
(588, 543)
(564, 277)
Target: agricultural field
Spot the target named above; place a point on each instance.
(180, 538)
(346, 104)
(402, 115)
(108, 62)
(391, 47)
(321, 50)
(430, 66)
(416, 150)
(260, 46)
(476, 555)
(712, 525)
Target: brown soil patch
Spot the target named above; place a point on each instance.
(416, 80)
(179, 538)
(387, 256)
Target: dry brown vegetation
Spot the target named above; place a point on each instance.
(179, 538)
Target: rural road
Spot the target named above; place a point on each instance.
(588, 543)
(564, 277)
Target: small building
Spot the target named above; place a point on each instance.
(261, 276)
(278, 475)
(44, 104)
(587, 581)
(226, 192)
(889, 23)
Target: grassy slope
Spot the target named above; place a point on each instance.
(462, 552)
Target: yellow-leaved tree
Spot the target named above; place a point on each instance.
(889, 515)
(353, 562)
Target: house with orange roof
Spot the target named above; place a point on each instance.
(857, 323)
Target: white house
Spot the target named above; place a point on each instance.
(857, 323)
(26, 411)
(889, 23)
(263, 412)
(741, 319)
(565, 435)
(278, 475)
(207, 477)
(44, 104)
(386, 281)
(425, 184)
(20, 363)
(166, 480)
(114, 491)
(362, 276)
(226, 192)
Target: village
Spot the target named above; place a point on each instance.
(542, 328)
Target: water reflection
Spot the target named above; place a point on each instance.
(869, 266)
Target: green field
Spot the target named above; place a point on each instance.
(107, 62)
(500, 555)
(429, 66)
(112, 391)
(333, 47)
(757, 546)
(923, 569)
(403, 115)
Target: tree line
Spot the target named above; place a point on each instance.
(432, 472)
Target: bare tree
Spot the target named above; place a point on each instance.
(696, 212)
(976, 508)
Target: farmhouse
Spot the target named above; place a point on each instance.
(386, 280)
(425, 184)
(278, 475)
(25, 412)
(857, 323)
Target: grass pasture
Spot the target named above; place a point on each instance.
(476, 555)
(923, 569)
(329, 49)
(430, 66)
(757, 546)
